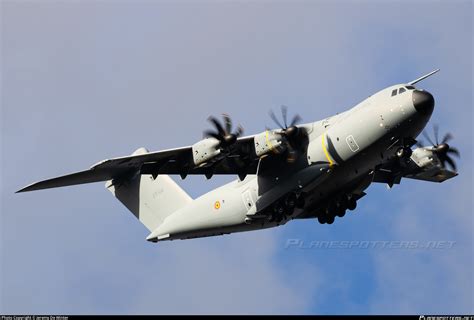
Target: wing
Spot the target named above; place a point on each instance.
(172, 161)
(239, 159)
(433, 175)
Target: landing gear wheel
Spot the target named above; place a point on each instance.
(322, 219)
(342, 202)
(331, 209)
(300, 202)
(278, 218)
(351, 203)
(341, 212)
(278, 209)
(330, 220)
(290, 202)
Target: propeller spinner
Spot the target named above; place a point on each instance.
(290, 132)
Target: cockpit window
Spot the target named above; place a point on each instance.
(401, 90)
(410, 87)
(394, 92)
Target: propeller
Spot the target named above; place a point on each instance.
(286, 130)
(441, 148)
(223, 131)
(290, 132)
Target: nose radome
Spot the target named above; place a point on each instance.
(423, 101)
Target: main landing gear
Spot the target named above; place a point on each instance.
(337, 208)
(286, 206)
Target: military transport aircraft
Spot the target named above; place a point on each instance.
(314, 170)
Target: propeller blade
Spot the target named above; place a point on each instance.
(448, 136)
(275, 119)
(436, 133)
(450, 162)
(212, 134)
(284, 113)
(454, 151)
(419, 144)
(427, 137)
(218, 126)
(228, 123)
(239, 131)
(296, 120)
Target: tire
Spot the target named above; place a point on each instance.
(342, 202)
(322, 219)
(330, 220)
(352, 204)
(341, 212)
(331, 209)
(290, 202)
(300, 202)
(278, 209)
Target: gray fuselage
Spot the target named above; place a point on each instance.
(353, 143)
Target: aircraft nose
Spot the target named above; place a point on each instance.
(423, 101)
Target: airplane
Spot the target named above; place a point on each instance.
(317, 170)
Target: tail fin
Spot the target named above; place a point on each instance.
(150, 200)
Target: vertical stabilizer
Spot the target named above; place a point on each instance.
(150, 200)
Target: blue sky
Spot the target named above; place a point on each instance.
(85, 81)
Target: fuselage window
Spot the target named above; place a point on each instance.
(394, 92)
(401, 90)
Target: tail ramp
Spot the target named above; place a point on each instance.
(150, 200)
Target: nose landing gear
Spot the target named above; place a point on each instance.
(404, 153)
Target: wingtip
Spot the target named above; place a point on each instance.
(24, 189)
(30, 187)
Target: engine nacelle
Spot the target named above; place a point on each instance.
(318, 151)
(267, 142)
(424, 158)
(205, 150)
(426, 165)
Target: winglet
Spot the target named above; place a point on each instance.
(423, 77)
